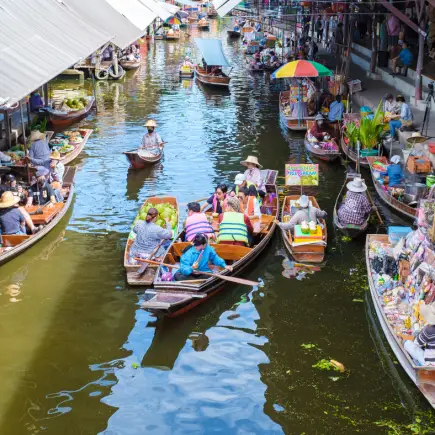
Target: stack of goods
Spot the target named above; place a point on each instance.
(16, 153)
(403, 273)
(73, 104)
(67, 141)
(418, 165)
(308, 232)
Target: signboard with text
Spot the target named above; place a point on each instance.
(301, 175)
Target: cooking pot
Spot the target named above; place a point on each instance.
(417, 190)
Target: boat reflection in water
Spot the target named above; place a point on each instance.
(137, 179)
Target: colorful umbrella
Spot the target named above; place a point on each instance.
(172, 21)
(301, 68)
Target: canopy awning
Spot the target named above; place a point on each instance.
(224, 6)
(157, 8)
(40, 39)
(135, 11)
(172, 9)
(187, 3)
(102, 14)
(212, 51)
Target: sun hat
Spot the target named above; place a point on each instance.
(426, 310)
(416, 137)
(41, 171)
(395, 159)
(304, 201)
(240, 179)
(234, 203)
(251, 159)
(356, 185)
(36, 135)
(55, 155)
(151, 123)
(319, 117)
(8, 199)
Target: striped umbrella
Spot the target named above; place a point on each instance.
(172, 21)
(302, 68)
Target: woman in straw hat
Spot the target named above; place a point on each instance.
(253, 173)
(356, 207)
(151, 141)
(422, 349)
(12, 220)
(39, 153)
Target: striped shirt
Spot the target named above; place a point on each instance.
(148, 236)
(426, 340)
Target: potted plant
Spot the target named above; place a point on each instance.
(351, 134)
(371, 132)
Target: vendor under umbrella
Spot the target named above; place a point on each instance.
(318, 129)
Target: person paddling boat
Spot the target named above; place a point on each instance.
(151, 141)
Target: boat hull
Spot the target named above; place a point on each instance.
(138, 162)
(233, 34)
(351, 154)
(325, 155)
(222, 82)
(130, 64)
(60, 120)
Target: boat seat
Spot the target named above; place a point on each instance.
(227, 252)
(13, 240)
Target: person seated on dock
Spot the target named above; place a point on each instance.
(299, 109)
(249, 202)
(196, 258)
(403, 60)
(305, 213)
(235, 227)
(41, 192)
(151, 141)
(253, 173)
(394, 172)
(336, 110)
(318, 130)
(218, 200)
(148, 236)
(356, 207)
(197, 222)
(12, 220)
(422, 349)
(35, 101)
(39, 152)
(391, 107)
(403, 119)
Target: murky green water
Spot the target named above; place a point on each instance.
(72, 338)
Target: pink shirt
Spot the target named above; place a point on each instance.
(393, 25)
(254, 176)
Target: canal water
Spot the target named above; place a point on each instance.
(79, 356)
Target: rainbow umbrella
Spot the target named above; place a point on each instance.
(301, 68)
(172, 21)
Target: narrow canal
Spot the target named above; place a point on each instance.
(79, 356)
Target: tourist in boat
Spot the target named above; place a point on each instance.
(216, 71)
(394, 172)
(318, 130)
(57, 168)
(336, 110)
(240, 182)
(196, 258)
(356, 207)
(299, 109)
(148, 236)
(306, 213)
(187, 63)
(218, 200)
(253, 173)
(197, 222)
(151, 141)
(235, 227)
(11, 185)
(249, 202)
(274, 60)
(422, 349)
(41, 192)
(12, 220)
(39, 152)
(403, 119)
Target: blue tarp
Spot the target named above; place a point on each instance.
(212, 51)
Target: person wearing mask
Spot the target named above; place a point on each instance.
(336, 110)
(235, 228)
(249, 203)
(196, 258)
(218, 199)
(403, 119)
(41, 192)
(197, 222)
(240, 182)
(39, 152)
(305, 213)
(253, 173)
(356, 207)
(318, 130)
(404, 59)
(394, 172)
(12, 220)
(148, 236)
(151, 141)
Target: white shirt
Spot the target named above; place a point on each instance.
(151, 141)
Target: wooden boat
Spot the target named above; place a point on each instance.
(173, 36)
(352, 155)
(394, 203)
(422, 376)
(186, 72)
(69, 157)
(140, 160)
(326, 155)
(204, 25)
(291, 123)
(13, 245)
(173, 298)
(233, 33)
(148, 277)
(159, 37)
(304, 252)
(203, 77)
(61, 119)
(349, 230)
(130, 64)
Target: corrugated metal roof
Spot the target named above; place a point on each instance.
(158, 8)
(40, 39)
(172, 9)
(187, 3)
(102, 14)
(224, 6)
(135, 11)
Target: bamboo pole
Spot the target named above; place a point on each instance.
(23, 126)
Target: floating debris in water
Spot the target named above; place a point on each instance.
(260, 283)
(135, 365)
(357, 300)
(346, 239)
(308, 345)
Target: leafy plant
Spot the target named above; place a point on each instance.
(352, 133)
(39, 123)
(308, 346)
(371, 131)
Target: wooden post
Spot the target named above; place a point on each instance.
(422, 19)
(45, 87)
(373, 61)
(94, 91)
(23, 127)
(8, 128)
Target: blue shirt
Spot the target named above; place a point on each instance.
(190, 256)
(39, 153)
(11, 220)
(336, 111)
(406, 56)
(395, 174)
(405, 112)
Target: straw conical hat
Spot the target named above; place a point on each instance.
(253, 160)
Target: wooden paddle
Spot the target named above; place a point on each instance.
(373, 205)
(144, 267)
(216, 275)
